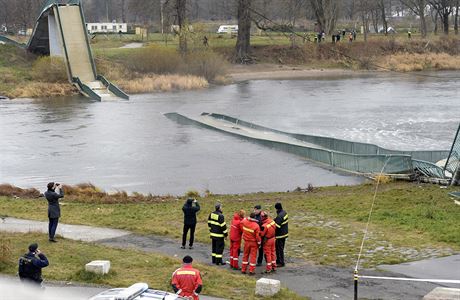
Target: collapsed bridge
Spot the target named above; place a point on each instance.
(441, 166)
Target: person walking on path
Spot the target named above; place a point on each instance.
(190, 208)
(186, 281)
(268, 237)
(54, 211)
(281, 233)
(235, 238)
(31, 264)
(218, 232)
(251, 237)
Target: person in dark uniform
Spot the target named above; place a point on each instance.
(190, 208)
(281, 233)
(257, 211)
(218, 232)
(31, 264)
(54, 211)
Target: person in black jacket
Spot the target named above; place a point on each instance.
(31, 264)
(257, 210)
(281, 233)
(54, 211)
(217, 232)
(190, 211)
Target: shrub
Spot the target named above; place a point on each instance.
(9, 190)
(49, 69)
(5, 253)
(192, 194)
(205, 63)
(153, 60)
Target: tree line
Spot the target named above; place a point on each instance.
(265, 15)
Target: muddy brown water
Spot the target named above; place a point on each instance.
(132, 146)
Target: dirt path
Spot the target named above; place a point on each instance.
(317, 282)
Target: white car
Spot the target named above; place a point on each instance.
(136, 292)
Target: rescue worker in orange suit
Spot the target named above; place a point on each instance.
(251, 237)
(217, 232)
(235, 239)
(281, 233)
(267, 234)
(186, 281)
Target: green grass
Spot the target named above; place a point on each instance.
(326, 225)
(68, 258)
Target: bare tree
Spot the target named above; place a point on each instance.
(457, 4)
(383, 16)
(418, 7)
(443, 8)
(244, 30)
(181, 6)
(326, 12)
(364, 8)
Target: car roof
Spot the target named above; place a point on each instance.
(138, 291)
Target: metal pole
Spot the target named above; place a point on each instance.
(355, 278)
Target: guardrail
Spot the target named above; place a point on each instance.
(12, 42)
(113, 88)
(86, 89)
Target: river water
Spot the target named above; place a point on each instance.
(132, 146)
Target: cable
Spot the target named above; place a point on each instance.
(352, 57)
(369, 217)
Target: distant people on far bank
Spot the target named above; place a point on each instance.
(186, 281)
(31, 264)
(190, 209)
(409, 34)
(54, 210)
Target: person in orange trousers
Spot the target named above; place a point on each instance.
(186, 281)
(268, 235)
(235, 239)
(251, 237)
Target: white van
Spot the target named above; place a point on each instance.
(228, 29)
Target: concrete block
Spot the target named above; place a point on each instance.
(98, 266)
(441, 293)
(267, 287)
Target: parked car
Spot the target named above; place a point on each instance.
(136, 292)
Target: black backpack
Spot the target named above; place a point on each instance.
(26, 268)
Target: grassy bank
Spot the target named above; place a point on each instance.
(409, 222)
(68, 258)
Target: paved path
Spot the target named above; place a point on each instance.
(132, 46)
(317, 282)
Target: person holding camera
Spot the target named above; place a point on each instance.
(190, 208)
(54, 211)
(31, 264)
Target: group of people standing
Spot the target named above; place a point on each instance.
(262, 236)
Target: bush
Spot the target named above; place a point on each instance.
(49, 69)
(192, 194)
(206, 63)
(153, 60)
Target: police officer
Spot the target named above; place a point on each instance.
(186, 281)
(54, 211)
(31, 264)
(217, 232)
(281, 233)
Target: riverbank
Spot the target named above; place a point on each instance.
(159, 68)
(410, 221)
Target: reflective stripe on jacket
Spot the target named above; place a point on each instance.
(217, 225)
(281, 221)
(251, 230)
(187, 279)
(268, 229)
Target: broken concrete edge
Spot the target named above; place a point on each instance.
(98, 266)
(267, 287)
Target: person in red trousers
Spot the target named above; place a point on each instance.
(268, 236)
(235, 239)
(251, 237)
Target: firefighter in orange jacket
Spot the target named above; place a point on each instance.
(235, 239)
(268, 236)
(251, 237)
(186, 281)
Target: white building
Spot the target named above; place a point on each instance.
(107, 27)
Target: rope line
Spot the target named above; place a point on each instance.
(369, 217)
(352, 57)
(411, 279)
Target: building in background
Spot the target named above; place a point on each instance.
(107, 27)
